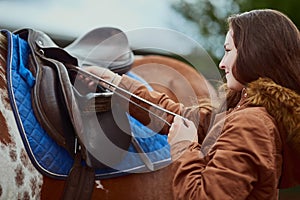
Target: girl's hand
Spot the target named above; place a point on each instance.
(182, 131)
(103, 73)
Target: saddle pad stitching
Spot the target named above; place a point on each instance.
(20, 124)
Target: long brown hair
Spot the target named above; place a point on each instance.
(268, 45)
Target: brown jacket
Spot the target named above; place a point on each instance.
(245, 154)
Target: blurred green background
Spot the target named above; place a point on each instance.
(210, 19)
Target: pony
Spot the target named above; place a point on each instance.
(21, 180)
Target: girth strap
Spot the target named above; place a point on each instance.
(80, 182)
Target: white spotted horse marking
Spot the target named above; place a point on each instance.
(19, 178)
(23, 180)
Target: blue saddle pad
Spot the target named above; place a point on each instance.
(50, 158)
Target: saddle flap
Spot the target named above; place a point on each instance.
(49, 104)
(106, 140)
(107, 134)
(106, 47)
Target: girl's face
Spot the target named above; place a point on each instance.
(228, 61)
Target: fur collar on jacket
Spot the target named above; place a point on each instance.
(284, 105)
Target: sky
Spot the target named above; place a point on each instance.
(74, 17)
(147, 23)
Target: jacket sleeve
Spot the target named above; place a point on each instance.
(200, 114)
(243, 158)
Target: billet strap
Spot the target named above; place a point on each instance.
(80, 182)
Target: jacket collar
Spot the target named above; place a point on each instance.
(284, 105)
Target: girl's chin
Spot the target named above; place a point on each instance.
(236, 87)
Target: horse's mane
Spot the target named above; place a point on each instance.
(3, 47)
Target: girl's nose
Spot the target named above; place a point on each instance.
(222, 65)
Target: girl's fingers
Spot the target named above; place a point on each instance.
(177, 119)
(182, 130)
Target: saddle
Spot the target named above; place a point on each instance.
(79, 120)
(57, 102)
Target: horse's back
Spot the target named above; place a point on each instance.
(181, 82)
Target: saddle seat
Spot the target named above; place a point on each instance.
(105, 46)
